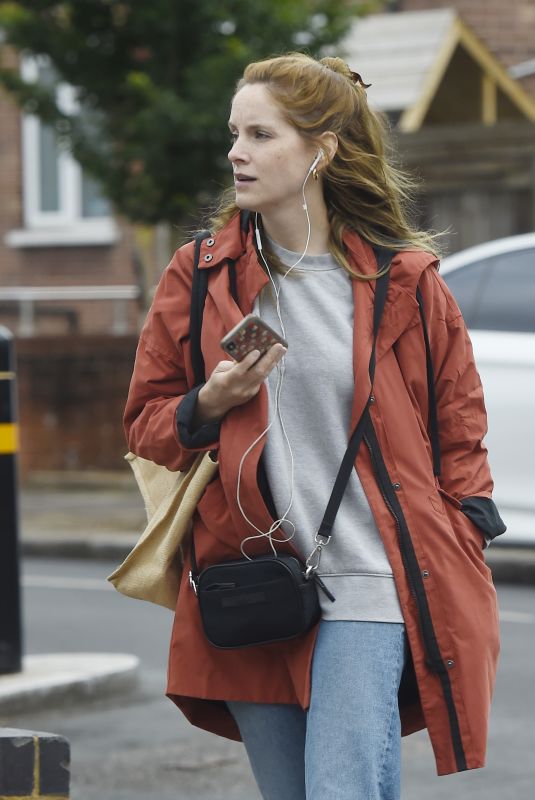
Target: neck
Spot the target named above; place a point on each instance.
(290, 230)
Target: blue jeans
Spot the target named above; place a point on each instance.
(347, 745)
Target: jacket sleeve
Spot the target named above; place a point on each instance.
(158, 418)
(462, 418)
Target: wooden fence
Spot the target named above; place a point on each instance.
(478, 182)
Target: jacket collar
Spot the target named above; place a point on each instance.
(230, 243)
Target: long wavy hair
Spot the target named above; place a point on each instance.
(363, 188)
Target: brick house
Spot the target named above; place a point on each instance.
(58, 236)
(68, 292)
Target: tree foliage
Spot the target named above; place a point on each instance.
(154, 80)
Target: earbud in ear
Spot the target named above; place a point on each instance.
(319, 156)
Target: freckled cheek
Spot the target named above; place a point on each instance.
(272, 171)
(279, 161)
(284, 168)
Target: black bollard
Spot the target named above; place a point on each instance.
(10, 607)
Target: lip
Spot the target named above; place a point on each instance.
(242, 179)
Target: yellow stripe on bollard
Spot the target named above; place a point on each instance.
(9, 438)
(7, 376)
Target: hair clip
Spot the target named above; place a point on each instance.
(355, 77)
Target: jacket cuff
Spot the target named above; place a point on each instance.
(204, 437)
(483, 513)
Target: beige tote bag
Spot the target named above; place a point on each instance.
(152, 570)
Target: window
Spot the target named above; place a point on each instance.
(465, 284)
(497, 293)
(507, 301)
(62, 204)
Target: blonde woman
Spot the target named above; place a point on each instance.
(411, 640)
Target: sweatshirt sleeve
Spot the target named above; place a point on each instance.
(158, 417)
(462, 418)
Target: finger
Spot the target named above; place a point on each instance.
(270, 358)
(278, 351)
(246, 363)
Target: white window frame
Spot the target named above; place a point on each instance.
(66, 225)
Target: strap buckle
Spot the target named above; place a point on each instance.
(313, 561)
(192, 582)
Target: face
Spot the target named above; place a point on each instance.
(269, 158)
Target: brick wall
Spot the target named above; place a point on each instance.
(508, 29)
(72, 392)
(60, 265)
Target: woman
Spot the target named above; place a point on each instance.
(411, 640)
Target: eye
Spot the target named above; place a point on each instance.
(261, 135)
(233, 137)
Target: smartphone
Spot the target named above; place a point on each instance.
(252, 333)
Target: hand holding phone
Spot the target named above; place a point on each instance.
(252, 333)
(232, 384)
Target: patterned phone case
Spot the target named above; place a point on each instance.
(252, 333)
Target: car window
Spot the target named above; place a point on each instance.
(466, 284)
(497, 293)
(506, 300)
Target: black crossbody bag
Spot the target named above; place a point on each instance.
(272, 598)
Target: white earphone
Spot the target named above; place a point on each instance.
(281, 366)
(320, 155)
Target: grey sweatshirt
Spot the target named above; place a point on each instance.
(317, 310)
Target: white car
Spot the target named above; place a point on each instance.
(494, 284)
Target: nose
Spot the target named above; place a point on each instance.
(236, 152)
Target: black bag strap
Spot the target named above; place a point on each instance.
(199, 289)
(432, 424)
(383, 256)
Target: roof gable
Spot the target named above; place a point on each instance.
(428, 67)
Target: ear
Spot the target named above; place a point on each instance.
(328, 141)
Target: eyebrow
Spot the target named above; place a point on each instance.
(251, 126)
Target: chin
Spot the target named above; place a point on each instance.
(245, 205)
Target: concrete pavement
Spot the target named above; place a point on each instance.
(55, 679)
(79, 515)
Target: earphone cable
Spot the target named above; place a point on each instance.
(281, 367)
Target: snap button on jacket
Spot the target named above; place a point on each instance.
(444, 586)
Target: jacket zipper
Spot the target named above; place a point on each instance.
(396, 520)
(410, 579)
(433, 657)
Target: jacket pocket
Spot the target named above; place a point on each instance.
(462, 530)
(449, 498)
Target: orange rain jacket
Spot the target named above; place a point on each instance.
(444, 586)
